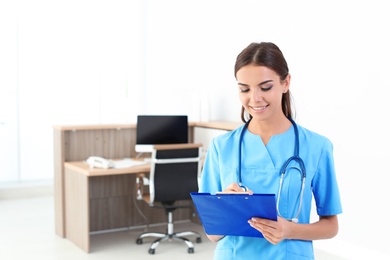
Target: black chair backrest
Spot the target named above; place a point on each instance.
(175, 173)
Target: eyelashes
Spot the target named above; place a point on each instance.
(265, 89)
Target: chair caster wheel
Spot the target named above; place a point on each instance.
(190, 250)
(151, 251)
(139, 241)
(198, 240)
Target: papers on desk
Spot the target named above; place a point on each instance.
(127, 162)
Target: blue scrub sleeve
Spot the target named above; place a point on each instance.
(325, 188)
(210, 177)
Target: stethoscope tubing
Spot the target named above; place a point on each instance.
(295, 157)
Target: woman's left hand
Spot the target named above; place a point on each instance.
(273, 231)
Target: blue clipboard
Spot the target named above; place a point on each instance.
(228, 214)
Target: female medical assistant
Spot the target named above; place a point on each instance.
(260, 172)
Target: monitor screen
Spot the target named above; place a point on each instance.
(160, 129)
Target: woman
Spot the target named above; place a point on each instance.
(255, 153)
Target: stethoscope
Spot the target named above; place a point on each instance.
(295, 158)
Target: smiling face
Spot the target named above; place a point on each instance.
(261, 91)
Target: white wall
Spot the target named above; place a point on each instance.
(9, 150)
(68, 62)
(115, 59)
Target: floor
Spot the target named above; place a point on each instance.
(27, 231)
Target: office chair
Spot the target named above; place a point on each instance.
(174, 173)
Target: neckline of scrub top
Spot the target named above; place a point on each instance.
(272, 153)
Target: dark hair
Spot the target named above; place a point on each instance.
(269, 55)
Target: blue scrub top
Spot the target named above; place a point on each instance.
(260, 172)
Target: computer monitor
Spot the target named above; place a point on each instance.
(160, 129)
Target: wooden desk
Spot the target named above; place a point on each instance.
(77, 143)
(79, 192)
(83, 168)
(99, 199)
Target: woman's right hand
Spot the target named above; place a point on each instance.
(235, 188)
(232, 188)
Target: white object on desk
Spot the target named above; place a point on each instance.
(127, 162)
(99, 162)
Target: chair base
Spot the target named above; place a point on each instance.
(170, 235)
(180, 236)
